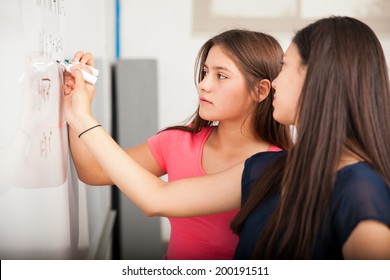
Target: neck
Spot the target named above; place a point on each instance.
(228, 145)
(232, 135)
(348, 158)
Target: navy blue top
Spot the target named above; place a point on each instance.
(359, 194)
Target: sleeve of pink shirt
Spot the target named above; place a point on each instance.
(158, 145)
(274, 148)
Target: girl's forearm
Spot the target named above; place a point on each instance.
(88, 169)
(123, 170)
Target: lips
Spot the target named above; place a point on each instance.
(204, 100)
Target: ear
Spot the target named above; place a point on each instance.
(262, 90)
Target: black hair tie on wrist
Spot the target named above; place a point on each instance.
(89, 129)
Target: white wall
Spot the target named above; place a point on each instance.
(162, 30)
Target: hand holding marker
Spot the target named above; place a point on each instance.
(88, 77)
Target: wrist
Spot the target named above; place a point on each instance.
(88, 129)
(83, 124)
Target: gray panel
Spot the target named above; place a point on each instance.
(136, 103)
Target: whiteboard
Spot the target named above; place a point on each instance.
(39, 202)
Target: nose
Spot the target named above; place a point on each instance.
(205, 85)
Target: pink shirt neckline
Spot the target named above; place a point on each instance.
(271, 148)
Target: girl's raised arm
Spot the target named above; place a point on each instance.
(88, 169)
(203, 195)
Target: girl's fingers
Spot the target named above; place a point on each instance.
(83, 58)
(68, 83)
(79, 79)
(87, 59)
(67, 90)
(67, 77)
(77, 56)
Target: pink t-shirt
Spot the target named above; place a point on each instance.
(179, 154)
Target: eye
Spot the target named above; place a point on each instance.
(221, 76)
(203, 73)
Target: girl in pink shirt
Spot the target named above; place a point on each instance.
(204, 237)
(234, 72)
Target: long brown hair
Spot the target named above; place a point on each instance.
(258, 57)
(344, 104)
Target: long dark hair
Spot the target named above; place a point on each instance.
(258, 57)
(344, 104)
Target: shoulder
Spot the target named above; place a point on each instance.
(176, 141)
(175, 145)
(362, 189)
(274, 148)
(263, 159)
(360, 180)
(359, 194)
(257, 164)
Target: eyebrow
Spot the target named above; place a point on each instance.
(219, 68)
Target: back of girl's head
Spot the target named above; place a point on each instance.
(258, 57)
(346, 92)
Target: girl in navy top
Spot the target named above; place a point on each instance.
(328, 196)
